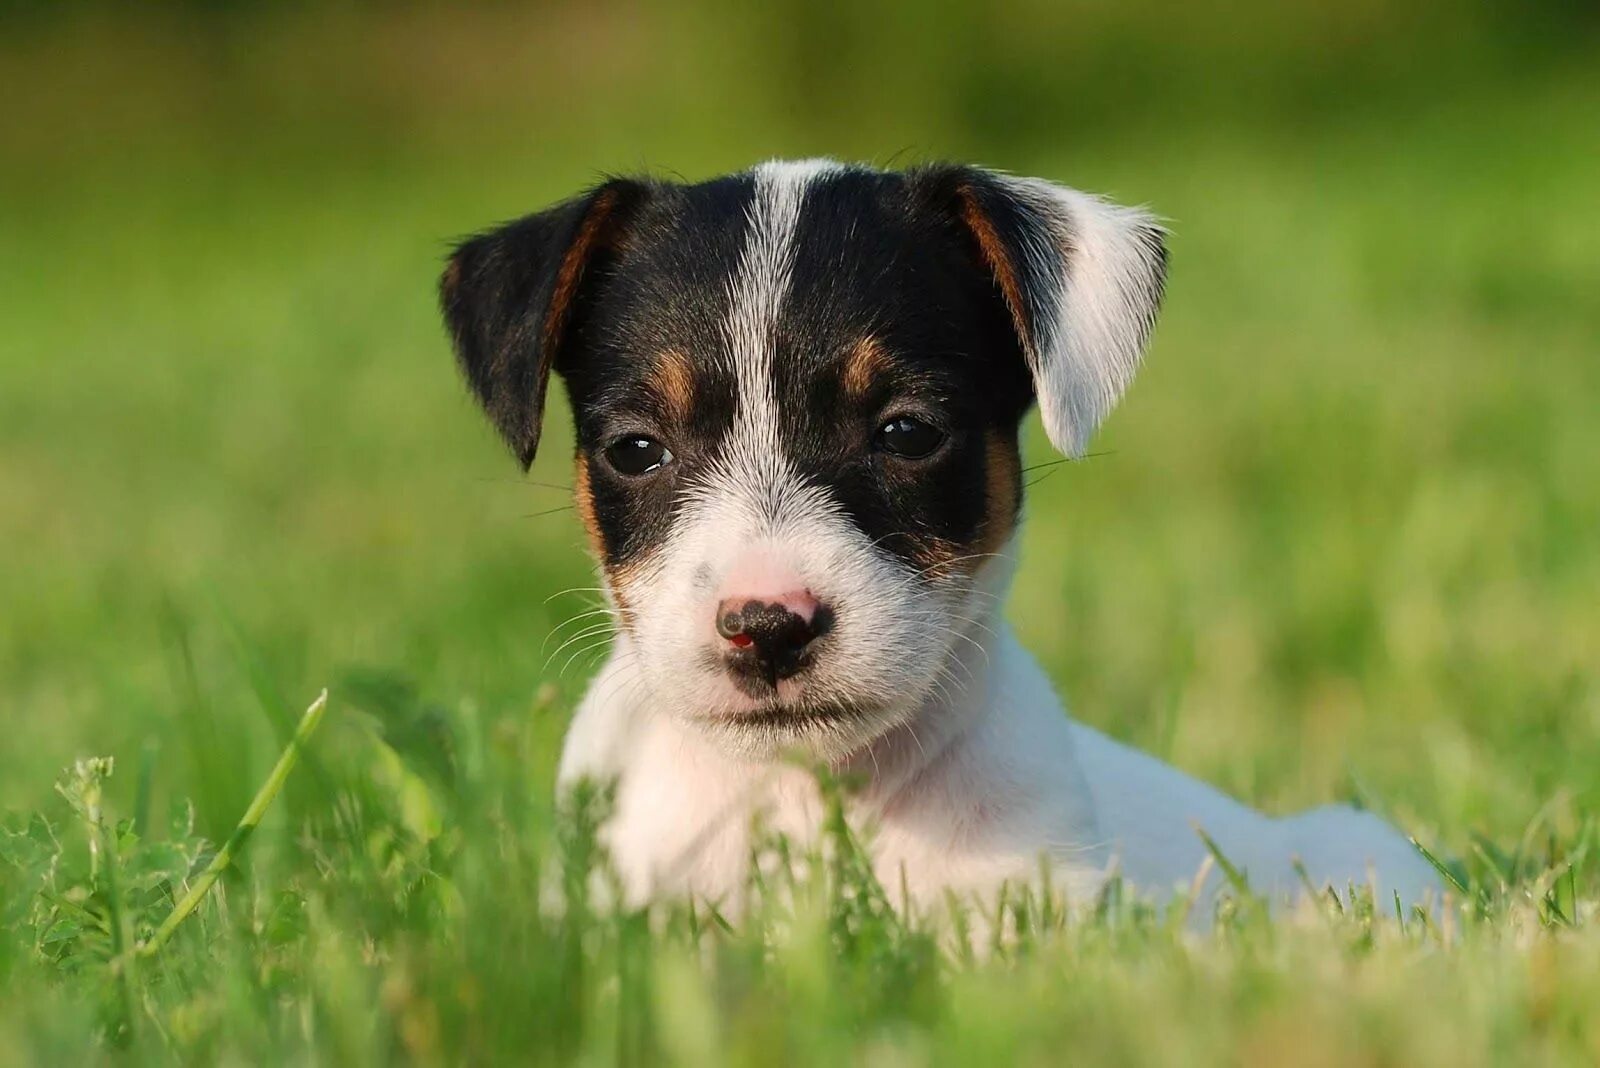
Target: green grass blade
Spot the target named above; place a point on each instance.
(1236, 878)
(251, 819)
(1443, 869)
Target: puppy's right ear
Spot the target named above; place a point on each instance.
(508, 296)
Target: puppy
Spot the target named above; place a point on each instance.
(797, 393)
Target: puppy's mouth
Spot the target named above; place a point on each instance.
(774, 714)
(791, 717)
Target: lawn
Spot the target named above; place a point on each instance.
(1339, 543)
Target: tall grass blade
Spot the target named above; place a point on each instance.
(247, 824)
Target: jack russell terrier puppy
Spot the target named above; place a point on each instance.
(797, 393)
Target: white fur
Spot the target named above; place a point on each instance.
(972, 771)
(1106, 265)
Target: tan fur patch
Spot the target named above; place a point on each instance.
(999, 262)
(672, 380)
(1003, 470)
(618, 579)
(863, 366)
(583, 497)
(583, 245)
(938, 558)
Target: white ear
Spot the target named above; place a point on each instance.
(1109, 265)
(1083, 279)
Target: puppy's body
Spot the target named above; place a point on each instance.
(976, 794)
(797, 394)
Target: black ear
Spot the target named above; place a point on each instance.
(1081, 277)
(508, 296)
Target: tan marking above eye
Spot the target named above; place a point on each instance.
(864, 365)
(671, 381)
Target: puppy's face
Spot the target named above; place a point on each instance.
(797, 394)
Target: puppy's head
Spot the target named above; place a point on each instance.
(797, 393)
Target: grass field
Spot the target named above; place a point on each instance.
(1340, 541)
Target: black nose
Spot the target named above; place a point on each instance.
(768, 642)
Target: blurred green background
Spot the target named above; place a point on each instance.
(1342, 541)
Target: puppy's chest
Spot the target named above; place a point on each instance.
(686, 822)
(690, 822)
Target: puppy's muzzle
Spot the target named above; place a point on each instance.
(770, 639)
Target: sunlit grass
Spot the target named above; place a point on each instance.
(448, 913)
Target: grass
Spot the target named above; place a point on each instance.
(1339, 543)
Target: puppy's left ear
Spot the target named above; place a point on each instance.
(1081, 277)
(509, 297)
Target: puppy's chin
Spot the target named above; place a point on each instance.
(808, 729)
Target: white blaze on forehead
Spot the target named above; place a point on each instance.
(753, 457)
(765, 269)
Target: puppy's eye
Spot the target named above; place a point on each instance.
(909, 437)
(637, 455)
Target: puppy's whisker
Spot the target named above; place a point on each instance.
(595, 658)
(596, 610)
(911, 729)
(945, 677)
(525, 482)
(623, 685)
(547, 511)
(952, 661)
(1067, 460)
(570, 620)
(956, 579)
(588, 632)
(574, 589)
(1032, 482)
(602, 643)
(974, 622)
